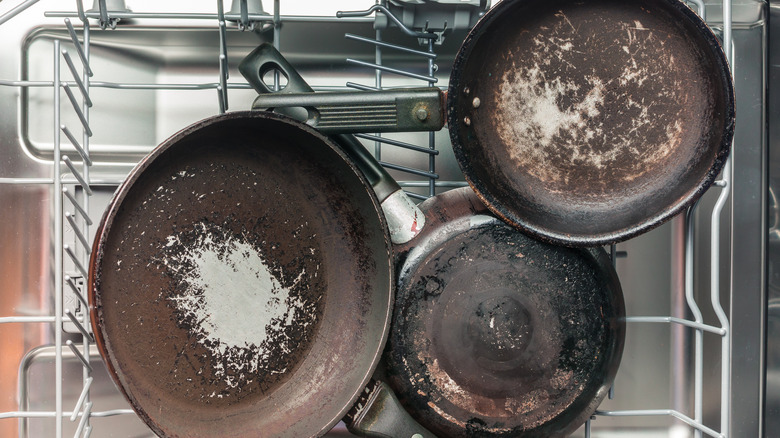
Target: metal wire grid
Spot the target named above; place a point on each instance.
(79, 221)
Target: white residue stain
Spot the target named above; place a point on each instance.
(236, 306)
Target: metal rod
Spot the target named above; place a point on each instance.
(105, 20)
(87, 410)
(350, 36)
(393, 18)
(725, 385)
(277, 38)
(76, 108)
(662, 412)
(702, 11)
(74, 226)
(223, 66)
(431, 135)
(26, 319)
(75, 260)
(362, 87)
(80, 356)
(397, 143)
(77, 44)
(85, 197)
(75, 143)
(76, 291)
(207, 16)
(392, 70)
(87, 431)
(409, 170)
(698, 363)
(416, 196)
(80, 13)
(438, 183)
(73, 71)
(78, 324)
(58, 225)
(16, 11)
(680, 321)
(52, 414)
(139, 86)
(84, 184)
(82, 397)
(78, 206)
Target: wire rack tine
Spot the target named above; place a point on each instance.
(409, 170)
(74, 226)
(105, 20)
(354, 37)
(75, 143)
(400, 144)
(79, 82)
(17, 10)
(81, 357)
(77, 174)
(393, 70)
(82, 398)
(76, 108)
(75, 260)
(77, 205)
(76, 291)
(78, 325)
(85, 414)
(223, 63)
(362, 87)
(80, 12)
(79, 48)
(392, 17)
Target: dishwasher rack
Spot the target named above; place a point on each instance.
(71, 186)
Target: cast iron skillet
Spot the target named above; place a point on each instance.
(241, 281)
(494, 333)
(581, 122)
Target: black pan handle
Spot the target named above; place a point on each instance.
(404, 219)
(405, 110)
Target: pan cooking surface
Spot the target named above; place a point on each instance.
(587, 120)
(497, 334)
(242, 282)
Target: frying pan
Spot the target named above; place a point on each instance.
(541, 371)
(581, 122)
(495, 334)
(241, 281)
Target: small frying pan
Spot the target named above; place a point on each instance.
(581, 122)
(241, 281)
(493, 333)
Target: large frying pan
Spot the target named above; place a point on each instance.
(494, 333)
(581, 122)
(241, 281)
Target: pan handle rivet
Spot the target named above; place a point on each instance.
(467, 120)
(466, 90)
(476, 102)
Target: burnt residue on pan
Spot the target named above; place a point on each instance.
(241, 287)
(590, 121)
(501, 335)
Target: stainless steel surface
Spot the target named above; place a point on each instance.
(160, 71)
